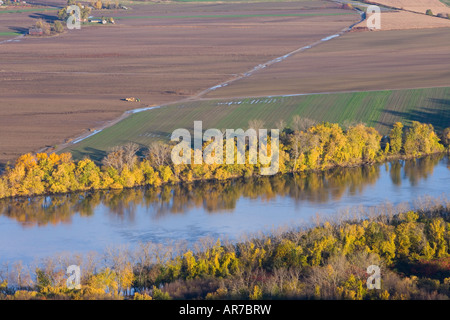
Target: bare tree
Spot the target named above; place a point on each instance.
(302, 124)
(158, 153)
(347, 124)
(129, 154)
(302, 142)
(114, 159)
(256, 124)
(121, 156)
(280, 124)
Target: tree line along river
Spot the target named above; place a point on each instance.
(39, 227)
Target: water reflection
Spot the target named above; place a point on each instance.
(217, 197)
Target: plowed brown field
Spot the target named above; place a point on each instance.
(58, 87)
(403, 20)
(420, 6)
(357, 61)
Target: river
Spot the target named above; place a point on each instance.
(34, 228)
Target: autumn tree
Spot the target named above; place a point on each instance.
(44, 26)
(437, 230)
(58, 27)
(97, 4)
(396, 138)
(87, 174)
(421, 139)
(363, 143)
(85, 11)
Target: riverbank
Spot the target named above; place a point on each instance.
(319, 148)
(328, 260)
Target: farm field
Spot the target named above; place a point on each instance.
(14, 22)
(56, 88)
(403, 20)
(411, 14)
(356, 61)
(379, 109)
(421, 6)
(94, 204)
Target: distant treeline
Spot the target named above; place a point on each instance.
(328, 260)
(308, 147)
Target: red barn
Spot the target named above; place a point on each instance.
(35, 32)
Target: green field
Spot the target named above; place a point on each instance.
(27, 10)
(10, 33)
(379, 109)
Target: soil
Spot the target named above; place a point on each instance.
(356, 61)
(420, 6)
(56, 88)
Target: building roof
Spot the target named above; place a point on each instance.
(35, 30)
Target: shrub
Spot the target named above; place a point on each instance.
(97, 4)
(58, 27)
(347, 6)
(41, 24)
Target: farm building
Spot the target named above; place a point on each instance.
(35, 32)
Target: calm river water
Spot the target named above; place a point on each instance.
(35, 228)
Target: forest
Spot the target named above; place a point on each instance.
(313, 147)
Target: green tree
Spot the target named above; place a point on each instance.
(436, 232)
(87, 175)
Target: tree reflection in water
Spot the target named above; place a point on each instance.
(214, 197)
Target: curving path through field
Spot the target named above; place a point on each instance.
(279, 59)
(199, 95)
